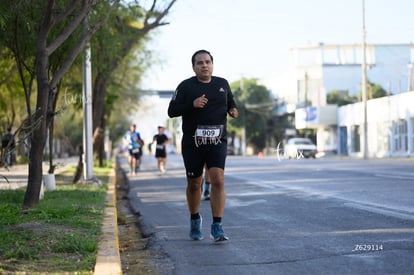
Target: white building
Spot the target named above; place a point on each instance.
(320, 69)
(323, 68)
(390, 122)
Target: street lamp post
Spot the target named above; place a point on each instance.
(410, 76)
(87, 112)
(243, 137)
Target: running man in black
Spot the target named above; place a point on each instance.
(161, 140)
(204, 101)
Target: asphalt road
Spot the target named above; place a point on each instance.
(306, 216)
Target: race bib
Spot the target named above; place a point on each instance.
(208, 134)
(160, 146)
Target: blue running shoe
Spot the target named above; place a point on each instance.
(195, 232)
(217, 233)
(206, 195)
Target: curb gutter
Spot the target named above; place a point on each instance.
(108, 260)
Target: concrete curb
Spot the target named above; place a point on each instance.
(108, 260)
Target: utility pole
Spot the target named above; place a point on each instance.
(410, 77)
(306, 89)
(87, 112)
(364, 83)
(306, 104)
(243, 137)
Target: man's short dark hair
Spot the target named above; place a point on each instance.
(198, 52)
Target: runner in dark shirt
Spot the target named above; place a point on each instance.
(220, 101)
(161, 140)
(203, 102)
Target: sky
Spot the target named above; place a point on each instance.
(252, 38)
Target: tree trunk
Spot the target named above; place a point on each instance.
(98, 117)
(39, 123)
(47, 81)
(52, 99)
(37, 141)
(51, 149)
(98, 144)
(79, 168)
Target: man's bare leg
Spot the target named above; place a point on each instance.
(218, 194)
(193, 193)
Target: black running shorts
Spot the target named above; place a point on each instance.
(135, 153)
(160, 153)
(213, 155)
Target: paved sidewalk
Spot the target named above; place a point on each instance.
(15, 177)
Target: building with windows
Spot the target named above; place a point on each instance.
(318, 70)
(390, 122)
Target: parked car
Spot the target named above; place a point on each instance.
(300, 147)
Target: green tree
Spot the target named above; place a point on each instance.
(254, 103)
(119, 57)
(39, 34)
(116, 46)
(376, 90)
(17, 50)
(46, 38)
(60, 21)
(11, 96)
(340, 98)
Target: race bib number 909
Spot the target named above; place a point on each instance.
(205, 133)
(208, 134)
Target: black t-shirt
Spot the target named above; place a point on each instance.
(220, 101)
(160, 139)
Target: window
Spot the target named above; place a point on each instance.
(399, 131)
(355, 138)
